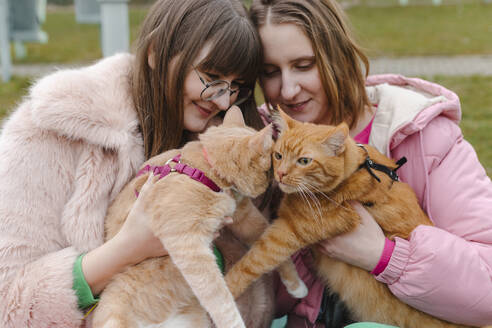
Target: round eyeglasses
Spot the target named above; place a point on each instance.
(218, 88)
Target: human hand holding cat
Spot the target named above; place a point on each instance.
(141, 242)
(132, 244)
(362, 247)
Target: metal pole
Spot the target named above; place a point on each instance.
(5, 41)
(115, 31)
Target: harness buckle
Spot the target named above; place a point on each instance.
(172, 160)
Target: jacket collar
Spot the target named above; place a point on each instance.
(405, 106)
(92, 103)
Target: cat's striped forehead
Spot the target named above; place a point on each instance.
(301, 138)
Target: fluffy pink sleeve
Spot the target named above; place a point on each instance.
(37, 294)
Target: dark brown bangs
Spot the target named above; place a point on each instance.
(235, 50)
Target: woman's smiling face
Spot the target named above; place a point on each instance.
(290, 76)
(196, 112)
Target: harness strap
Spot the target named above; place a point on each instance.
(369, 164)
(182, 168)
(193, 173)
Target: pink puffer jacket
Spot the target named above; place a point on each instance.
(444, 270)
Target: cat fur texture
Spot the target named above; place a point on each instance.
(185, 288)
(318, 169)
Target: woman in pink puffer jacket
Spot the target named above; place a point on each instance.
(312, 70)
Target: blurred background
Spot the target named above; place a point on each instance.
(446, 41)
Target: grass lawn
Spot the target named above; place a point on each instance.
(383, 31)
(70, 42)
(424, 30)
(11, 93)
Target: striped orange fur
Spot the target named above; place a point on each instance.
(187, 287)
(317, 167)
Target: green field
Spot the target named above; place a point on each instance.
(424, 30)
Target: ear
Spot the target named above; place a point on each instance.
(335, 142)
(262, 141)
(234, 117)
(281, 120)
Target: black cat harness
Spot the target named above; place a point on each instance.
(369, 165)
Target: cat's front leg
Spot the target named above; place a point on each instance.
(249, 224)
(195, 260)
(274, 247)
(188, 241)
(291, 280)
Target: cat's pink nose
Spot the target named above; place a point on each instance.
(280, 175)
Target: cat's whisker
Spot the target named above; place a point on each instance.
(314, 198)
(310, 193)
(318, 191)
(304, 196)
(307, 195)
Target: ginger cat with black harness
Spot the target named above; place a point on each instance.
(320, 168)
(190, 193)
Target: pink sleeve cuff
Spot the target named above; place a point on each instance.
(397, 263)
(389, 246)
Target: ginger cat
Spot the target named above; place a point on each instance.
(182, 289)
(318, 167)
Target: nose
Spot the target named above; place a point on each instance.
(290, 87)
(280, 175)
(223, 102)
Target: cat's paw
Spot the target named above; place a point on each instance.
(300, 291)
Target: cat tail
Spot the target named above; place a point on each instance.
(291, 280)
(273, 248)
(196, 261)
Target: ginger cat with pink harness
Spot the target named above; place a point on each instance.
(229, 164)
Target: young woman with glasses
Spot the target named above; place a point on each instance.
(314, 70)
(79, 137)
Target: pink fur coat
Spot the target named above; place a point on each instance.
(65, 153)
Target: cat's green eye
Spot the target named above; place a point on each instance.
(277, 156)
(304, 160)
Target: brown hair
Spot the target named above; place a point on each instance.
(183, 27)
(338, 57)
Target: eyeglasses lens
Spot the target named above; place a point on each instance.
(218, 88)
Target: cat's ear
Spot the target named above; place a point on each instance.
(280, 120)
(335, 142)
(262, 141)
(234, 117)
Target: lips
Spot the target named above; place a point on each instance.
(205, 112)
(297, 107)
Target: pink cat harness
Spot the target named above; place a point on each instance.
(193, 173)
(182, 168)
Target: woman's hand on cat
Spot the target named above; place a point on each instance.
(141, 243)
(362, 247)
(132, 244)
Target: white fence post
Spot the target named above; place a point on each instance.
(5, 41)
(115, 31)
(87, 11)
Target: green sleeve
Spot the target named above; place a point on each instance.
(81, 287)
